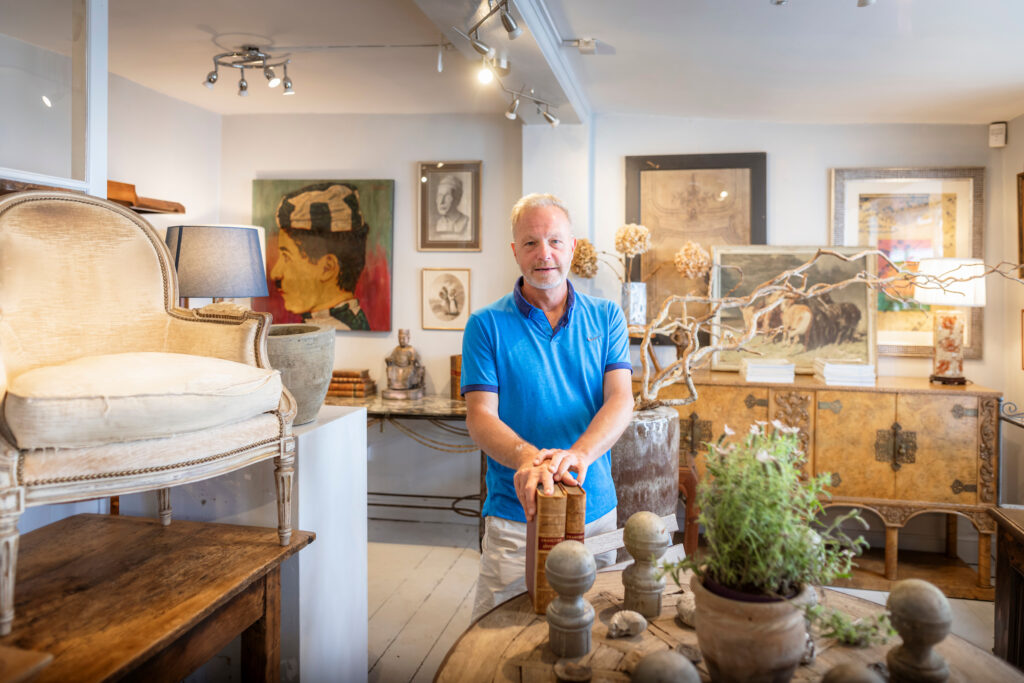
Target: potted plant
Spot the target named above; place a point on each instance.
(765, 553)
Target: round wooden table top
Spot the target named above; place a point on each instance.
(509, 643)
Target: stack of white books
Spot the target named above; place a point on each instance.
(768, 369)
(844, 372)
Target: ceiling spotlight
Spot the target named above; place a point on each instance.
(49, 104)
(287, 82)
(482, 47)
(502, 67)
(550, 118)
(780, 2)
(513, 108)
(865, 3)
(243, 86)
(211, 78)
(485, 75)
(509, 23)
(272, 80)
(440, 58)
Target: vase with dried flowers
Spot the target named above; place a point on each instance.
(631, 240)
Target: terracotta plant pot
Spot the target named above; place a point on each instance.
(305, 356)
(750, 641)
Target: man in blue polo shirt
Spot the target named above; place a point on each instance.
(546, 376)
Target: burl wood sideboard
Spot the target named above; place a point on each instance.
(901, 448)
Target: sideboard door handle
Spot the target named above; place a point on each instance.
(959, 412)
(750, 401)
(835, 406)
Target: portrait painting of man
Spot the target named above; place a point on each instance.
(329, 245)
(450, 206)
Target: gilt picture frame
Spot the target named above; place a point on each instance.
(838, 326)
(445, 301)
(449, 206)
(910, 214)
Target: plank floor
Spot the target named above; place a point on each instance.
(422, 576)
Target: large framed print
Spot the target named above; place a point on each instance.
(445, 298)
(710, 199)
(911, 214)
(449, 206)
(836, 326)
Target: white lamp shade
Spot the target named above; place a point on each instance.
(958, 282)
(219, 261)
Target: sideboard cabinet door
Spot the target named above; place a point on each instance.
(944, 467)
(845, 436)
(717, 406)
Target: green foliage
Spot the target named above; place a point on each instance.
(832, 623)
(759, 517)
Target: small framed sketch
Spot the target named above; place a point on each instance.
(445, 294)
(449, 206)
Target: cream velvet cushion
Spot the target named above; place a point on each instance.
(130, 396)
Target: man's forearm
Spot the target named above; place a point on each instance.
(498, 440)
(606, 427)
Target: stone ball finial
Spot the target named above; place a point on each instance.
(570, 568)
(665, 666)
(645, 534)
(920, 613)
(851, 672)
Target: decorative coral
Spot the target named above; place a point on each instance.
(584, 261)
(692, 261)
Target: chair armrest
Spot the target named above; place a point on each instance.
(220, 330)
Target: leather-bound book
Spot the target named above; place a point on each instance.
(575, 512)
(543, 532)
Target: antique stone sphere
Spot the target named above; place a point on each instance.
(570, 568)
(920, 612)
(645, 534)
(665, 666)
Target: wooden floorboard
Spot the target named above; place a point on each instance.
(389, 565)
(452, 630)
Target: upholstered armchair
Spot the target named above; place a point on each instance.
(108, 387)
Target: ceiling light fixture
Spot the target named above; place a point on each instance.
(511, 114)
(510, 23)
(482, 47)
(780, 2)
(485, 75)
(865, 3)
(251, 57)
(507, 21)
(549, 117)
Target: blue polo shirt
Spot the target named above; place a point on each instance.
(550, 382)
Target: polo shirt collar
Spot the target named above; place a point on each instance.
(526, 308)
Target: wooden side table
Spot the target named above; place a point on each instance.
(114, 598)
(1009, 635)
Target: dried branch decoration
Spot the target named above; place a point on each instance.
(692, 261)
(789, 285)
(584, 260)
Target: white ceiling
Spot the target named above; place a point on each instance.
(922, 61)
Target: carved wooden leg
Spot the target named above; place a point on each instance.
(892, 544)
(164, 498)
(984, 560)
(951, 536)
(688, 487)
(284, 473)
(12, 504)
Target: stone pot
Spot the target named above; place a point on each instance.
(304, 354)
(645, 466)
(759, 642)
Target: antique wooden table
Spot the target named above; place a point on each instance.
(509, 643)
(124, 598)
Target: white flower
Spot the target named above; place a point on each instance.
(764, 457)
(728, 431)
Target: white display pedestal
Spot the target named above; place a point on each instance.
(324, 587)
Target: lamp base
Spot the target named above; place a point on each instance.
(939, 379)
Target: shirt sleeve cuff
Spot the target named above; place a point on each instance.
(619, 366)
(493, 388)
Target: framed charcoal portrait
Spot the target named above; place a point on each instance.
(445, 298)
(449, 206)
(911, 214)
(837, 326)
(710, 199)
(329, 246)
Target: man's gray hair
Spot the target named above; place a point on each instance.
(536, 201)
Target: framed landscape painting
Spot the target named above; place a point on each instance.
(710, 199)
(445, 298)
(911, 214)
(839, 325)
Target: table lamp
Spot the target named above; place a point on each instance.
(217, 261)
(957, 282)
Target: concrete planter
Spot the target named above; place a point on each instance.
(305, 356)
(634, 302)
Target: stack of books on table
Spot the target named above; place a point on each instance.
(351, 384)
(848, 372)
(767, 369)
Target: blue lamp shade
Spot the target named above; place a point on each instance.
(217, 261)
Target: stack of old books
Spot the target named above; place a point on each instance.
(768, 369)
(351, 384)
(844, 372)
(559, 517)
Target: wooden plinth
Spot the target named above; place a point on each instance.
(126, 598)
(952, 576)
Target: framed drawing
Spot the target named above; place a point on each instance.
(449, 206)
(339, 227)
(445, 302)
(840, 325)
(710, 199)
(910, 214)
